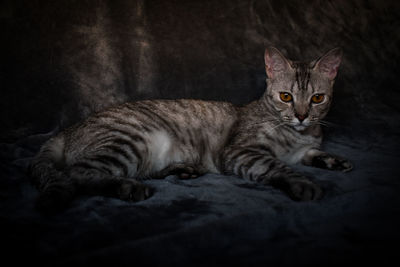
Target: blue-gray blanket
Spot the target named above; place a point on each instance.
(215, 219)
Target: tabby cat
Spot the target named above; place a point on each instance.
(112, 150)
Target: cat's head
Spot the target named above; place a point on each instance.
(301, 93)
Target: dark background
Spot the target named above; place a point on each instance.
(62, 60)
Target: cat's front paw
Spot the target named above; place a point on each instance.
(186, 172)
(332, 162)
(134, 191)
(304, 190)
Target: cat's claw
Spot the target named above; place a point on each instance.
(134, 191)
(304, 190)
(347, 166)
(186, 172)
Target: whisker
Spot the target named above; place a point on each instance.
(275, 120)
(322, 123)
(331, 123)
(273, 128)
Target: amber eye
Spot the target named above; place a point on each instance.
(317, 98)
(285, 97)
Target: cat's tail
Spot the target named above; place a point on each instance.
(56, 189)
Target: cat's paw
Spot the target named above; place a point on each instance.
(304, 190)
(134, 191)
(332, 162)
(186, 172)
(182, 170)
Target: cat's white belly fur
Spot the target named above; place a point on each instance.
(161, 152)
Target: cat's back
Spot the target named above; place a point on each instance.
(190, 112)
(197, 128)
(148, 115)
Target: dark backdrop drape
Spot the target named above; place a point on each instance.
(62, 60)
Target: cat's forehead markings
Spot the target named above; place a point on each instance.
(302, 75)
(312, 87)
(292, 87)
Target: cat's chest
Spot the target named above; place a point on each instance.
(295, 154)
(292, 147)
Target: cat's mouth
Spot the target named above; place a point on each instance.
(297, 124)
(300, 127)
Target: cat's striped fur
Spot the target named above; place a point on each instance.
(112, 150)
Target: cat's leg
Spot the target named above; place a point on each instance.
(75, 180)
(321, 159)
(182, 170)
(258, 164)
(92, 181)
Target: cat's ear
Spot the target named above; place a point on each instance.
(329, 63)
(275, 62)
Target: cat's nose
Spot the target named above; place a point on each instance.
(301, 117)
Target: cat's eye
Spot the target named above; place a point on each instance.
(286, 97)
(318, 98)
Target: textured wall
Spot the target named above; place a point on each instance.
(62, 60)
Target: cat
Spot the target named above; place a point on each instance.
(112, 150)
